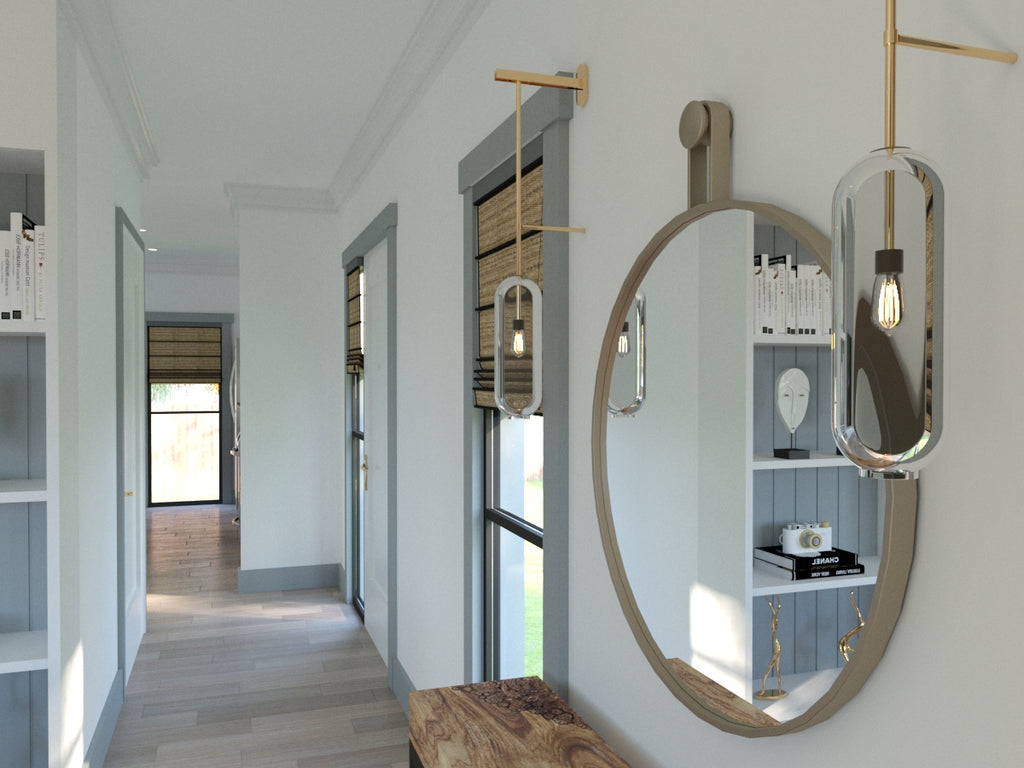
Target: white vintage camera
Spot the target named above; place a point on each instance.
(806, 538)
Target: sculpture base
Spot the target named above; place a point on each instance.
(792, 453)
(771, 694)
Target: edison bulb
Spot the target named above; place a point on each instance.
(518, 340)
(624, 340)
(887, 292)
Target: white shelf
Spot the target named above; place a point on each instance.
(786, 340)
(802, 691)
(22, 651)
(767, 583)
(21, 491)
(818, 459)
(22, 327)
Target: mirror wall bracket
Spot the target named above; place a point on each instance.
(705, 129)
(581, 84)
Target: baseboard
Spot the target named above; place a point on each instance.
(401, 685)
(283, 579)
(97, 752)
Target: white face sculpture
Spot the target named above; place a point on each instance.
(792, 391)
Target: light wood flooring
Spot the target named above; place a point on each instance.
(273, 680)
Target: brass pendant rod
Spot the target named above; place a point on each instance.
(1005, 57)
(892, 39)
(519, 195)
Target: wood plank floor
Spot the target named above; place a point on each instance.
(273, 680)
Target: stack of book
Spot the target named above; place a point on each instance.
(22, 270)
(791, 299)
(833, 562)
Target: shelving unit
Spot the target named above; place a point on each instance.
(825, 487)
(29, 605)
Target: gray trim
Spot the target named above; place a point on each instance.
(383, 227)
(288, 578)
(545, 131)
(401, 685)
(96, 755)
(227, 353)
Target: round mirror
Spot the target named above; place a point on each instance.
(696, 485)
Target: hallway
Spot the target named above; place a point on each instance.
(273, 680)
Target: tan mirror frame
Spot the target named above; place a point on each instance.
(705, 698)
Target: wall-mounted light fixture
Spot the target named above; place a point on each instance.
(519, 346)
(888, 237)
(637, 331)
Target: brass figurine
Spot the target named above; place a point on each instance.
(773, 693)
(844, 641)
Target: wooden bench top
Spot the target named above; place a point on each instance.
(508, 723)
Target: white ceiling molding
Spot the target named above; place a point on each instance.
(279, 198)
(93, 26)
(443, 26)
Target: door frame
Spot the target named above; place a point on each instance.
(383, 228)
(123, 226)
(227, 429)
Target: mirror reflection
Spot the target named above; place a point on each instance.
(699, 477)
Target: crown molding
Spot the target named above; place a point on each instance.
(443, 26)
(243, 196)
(93, 27)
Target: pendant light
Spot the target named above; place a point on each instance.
(520, 347)
(888, 226)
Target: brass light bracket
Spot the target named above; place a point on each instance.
(705, 129)
(892, 39)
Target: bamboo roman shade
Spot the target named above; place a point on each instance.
(496, 260)
(184, 355)
(354, 280)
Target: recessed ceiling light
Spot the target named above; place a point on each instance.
(151, 250)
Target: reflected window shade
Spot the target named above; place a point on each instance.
(184, 355)
(496, 260)
(354, 361)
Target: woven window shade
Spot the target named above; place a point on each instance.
(354, 362)
(496, 260)
(184, 355)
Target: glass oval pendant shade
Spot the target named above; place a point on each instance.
(888, 219)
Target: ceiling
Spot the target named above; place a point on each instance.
(280, 102)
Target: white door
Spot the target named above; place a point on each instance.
(375, 445)
(132, 418)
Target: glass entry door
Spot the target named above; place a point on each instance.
(184, 443)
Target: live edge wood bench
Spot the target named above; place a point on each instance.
(505, 724)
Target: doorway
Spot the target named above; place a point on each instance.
(189, 359)
(371, 392)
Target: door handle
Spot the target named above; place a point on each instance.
(366, 474)
(129, 493)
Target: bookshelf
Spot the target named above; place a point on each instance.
(815, 613)
(29, 565)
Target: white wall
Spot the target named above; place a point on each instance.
(804, 81)
(192, 292)
(291, 392)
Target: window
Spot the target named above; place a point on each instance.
(514, 541)
(511, 602)
(184, 440)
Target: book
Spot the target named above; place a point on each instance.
(827, 559)
(23, 229)
(760, 312)
(6, 270)
(820, 573)
(776, 276)
(40, 272)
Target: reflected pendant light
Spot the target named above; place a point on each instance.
(888, 240)
(518, 345)
(633, 340)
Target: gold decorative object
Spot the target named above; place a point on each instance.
(844, 641)
(766, 692)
